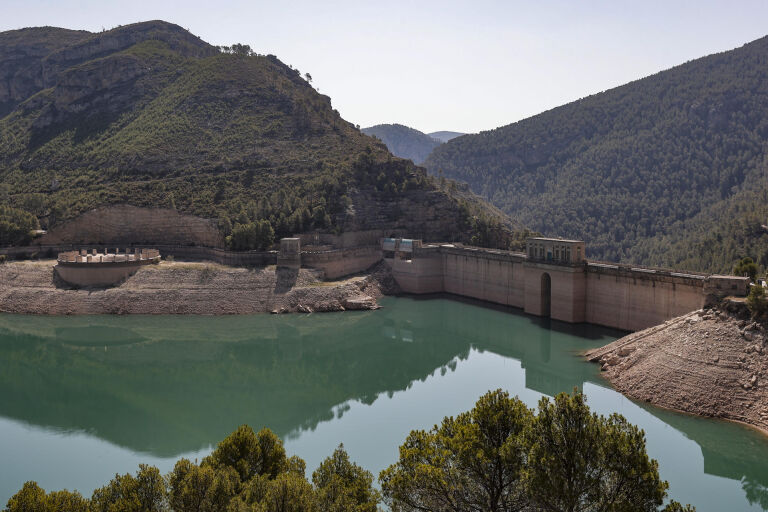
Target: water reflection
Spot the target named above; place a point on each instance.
(729, 451)
(166, 386)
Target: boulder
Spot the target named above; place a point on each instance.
(360, 303)
(625, 351)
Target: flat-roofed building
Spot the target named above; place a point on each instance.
(555, 250)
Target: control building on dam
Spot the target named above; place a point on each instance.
(554, 279)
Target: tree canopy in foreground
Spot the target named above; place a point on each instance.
(498, 457)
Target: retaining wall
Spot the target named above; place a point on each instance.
(233, 258)
(125, 224)
(98, 274)
(342, 262)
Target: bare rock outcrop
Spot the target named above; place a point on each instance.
(711, 362)
(35, 58)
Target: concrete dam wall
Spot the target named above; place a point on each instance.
(550, 284)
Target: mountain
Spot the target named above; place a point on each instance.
(403, 141)
(668, 170)
(150, 115)
(445, 136)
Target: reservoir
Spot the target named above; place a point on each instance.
(83, 398)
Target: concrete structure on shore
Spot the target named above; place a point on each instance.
(94, 269)
(553, 279)
(290, 253)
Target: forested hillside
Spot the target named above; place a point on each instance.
(445, 136)
(150, 115)
(668, 170)
(403, 141)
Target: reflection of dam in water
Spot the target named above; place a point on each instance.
(171, 385)
(268, 365)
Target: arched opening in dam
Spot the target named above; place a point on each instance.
(546, 294)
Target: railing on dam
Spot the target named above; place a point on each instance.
(608, 265)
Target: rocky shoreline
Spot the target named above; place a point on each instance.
(712, 362)
(195, 288)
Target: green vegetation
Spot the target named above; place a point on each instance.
(343, 486)
(247, 471)
(403, 141)
(31, 498)
(16, 226)
(668, 170)
(757, 301)
(497, 457)
(254, 235)
(747, 268)
(501, 457)
(167, 120)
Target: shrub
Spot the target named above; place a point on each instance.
(16, 226)
(747, 268)
(757, 301)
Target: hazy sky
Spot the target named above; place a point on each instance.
(463, 66)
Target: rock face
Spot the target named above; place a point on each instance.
(424, 214)
(710, 363)
(131, 225)
(34, 59)
(21, 55)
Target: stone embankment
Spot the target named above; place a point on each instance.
(712, 362)
(189, 288)
(125, 224)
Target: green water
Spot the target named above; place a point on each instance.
(83, 398)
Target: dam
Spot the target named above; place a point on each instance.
(553, 278)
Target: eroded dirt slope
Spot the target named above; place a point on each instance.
(710, 362)
(187, 288)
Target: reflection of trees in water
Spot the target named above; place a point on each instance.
(730, 450)
(756, 493)
(168, 385)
